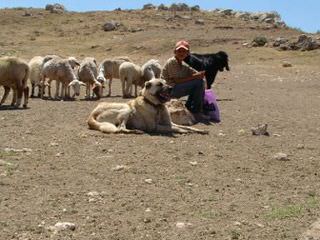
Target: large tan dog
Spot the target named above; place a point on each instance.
(146, 113)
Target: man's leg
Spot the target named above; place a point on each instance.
(194, 90)
(196, 96)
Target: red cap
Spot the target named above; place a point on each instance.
(182, 44)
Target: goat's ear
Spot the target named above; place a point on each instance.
(147, 85)
(71, 83)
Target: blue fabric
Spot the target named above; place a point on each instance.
(194, 89)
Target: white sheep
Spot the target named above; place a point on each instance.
(35, 65)
(14, 73)
(60, 70)
(131, 73)
(73, 62)
(88, 74)
(109, 69)
(151, 69)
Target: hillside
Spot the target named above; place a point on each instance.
(225, 185)
(148, 33)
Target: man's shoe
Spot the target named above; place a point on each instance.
(200, 117)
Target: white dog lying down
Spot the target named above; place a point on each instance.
(146, 113)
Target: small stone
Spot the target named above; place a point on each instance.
(194, 163)
(59, 154)
(26, 150)
(276, 135)
(221, 134)
(148, 210)
(180, 225)
(54, 144)
(61, 226)
(236, 223)
(148, 180)
(93, 194)
(118, 168)
(281, 156)
(199, 21)
(83, 135)
(286, 64)
(300, 146)
(261, 129)
(259, 225)
(241, 131)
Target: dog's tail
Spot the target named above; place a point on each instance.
(104, 127)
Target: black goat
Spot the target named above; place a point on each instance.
(210, 63)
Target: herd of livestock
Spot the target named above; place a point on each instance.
(69, 73)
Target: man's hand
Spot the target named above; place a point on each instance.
(199, 75)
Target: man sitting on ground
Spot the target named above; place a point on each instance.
(185, 80)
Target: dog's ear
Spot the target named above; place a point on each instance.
(147, 85)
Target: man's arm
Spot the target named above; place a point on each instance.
(197, 75)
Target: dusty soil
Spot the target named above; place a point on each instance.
(225, 185)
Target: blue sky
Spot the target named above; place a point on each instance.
(303, 14)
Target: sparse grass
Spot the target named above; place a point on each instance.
(5, 154)
(293, 210)
(208, 215)
(8, 166)
(235, 234)
(10, 169)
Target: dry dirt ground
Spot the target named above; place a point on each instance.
(225, 185)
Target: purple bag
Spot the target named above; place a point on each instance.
(210, 105)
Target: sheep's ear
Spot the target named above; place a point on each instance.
(82, 83)
(77, 63)
(147, 85)
(95, 62)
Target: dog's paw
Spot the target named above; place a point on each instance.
(136, 131)
(203, 132)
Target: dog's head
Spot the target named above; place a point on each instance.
(156, 91)
(223, 61)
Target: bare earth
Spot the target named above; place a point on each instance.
(225, 185)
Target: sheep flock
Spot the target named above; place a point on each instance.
(70, 75)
